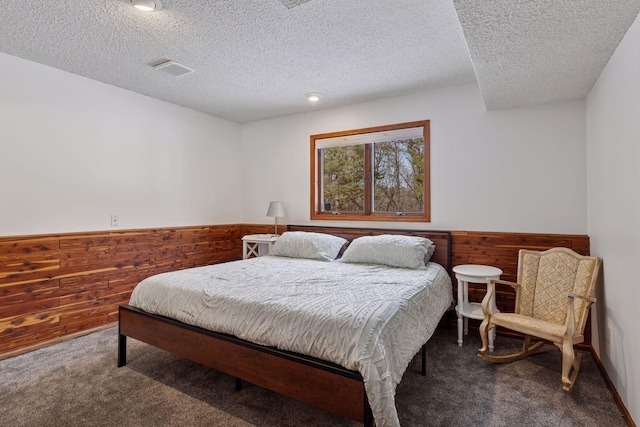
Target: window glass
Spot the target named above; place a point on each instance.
(398, 176)
(343, 179)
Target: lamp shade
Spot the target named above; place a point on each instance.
(276, 209)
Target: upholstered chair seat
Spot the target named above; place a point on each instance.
(520, 323)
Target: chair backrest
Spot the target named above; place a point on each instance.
(547, 277)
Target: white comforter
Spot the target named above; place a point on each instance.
(368, 318)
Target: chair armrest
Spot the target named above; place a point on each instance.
(486, 301)
(514, 285)
(588, 299)
(491, 290)
(570, 322)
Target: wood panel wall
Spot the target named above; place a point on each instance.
(52, 286)
(56, 285)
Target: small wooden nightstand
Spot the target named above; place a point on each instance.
(257, 245)
(472, 310)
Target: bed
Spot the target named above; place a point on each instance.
(347, 327)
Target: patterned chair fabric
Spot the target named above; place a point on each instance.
(547, 277)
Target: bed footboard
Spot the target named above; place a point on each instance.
(313, 381)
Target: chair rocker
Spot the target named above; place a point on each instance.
(554, 292)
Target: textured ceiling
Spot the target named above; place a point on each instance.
(255, 59)
(532, 51)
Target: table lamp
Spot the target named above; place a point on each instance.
(276, 210)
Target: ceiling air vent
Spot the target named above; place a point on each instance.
(173, 68)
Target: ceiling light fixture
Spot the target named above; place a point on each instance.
(147, 5)
(313, 96)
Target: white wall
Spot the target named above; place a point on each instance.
(74, 150)
(613, 182)
(522, 169)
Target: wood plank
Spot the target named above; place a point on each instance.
(110, 266)
(26, 291)
(90, 303)
(111, 258)
(93, 321)
(30, 276)
(40, 303)
(20, 266)
(85, 282)
(134, 278)
(26, 323)
(25, 340)
(28, 246)
(124, 287)
(78, 297)
(166, 266)
(88, 315)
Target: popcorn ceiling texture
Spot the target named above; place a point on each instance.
(293, 3)
(255, 59)
(533, 51)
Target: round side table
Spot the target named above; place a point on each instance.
(473, 273)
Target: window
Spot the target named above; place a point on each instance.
(374, 174)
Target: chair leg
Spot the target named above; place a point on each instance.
(569, 361)
(484, 335)
(527, 349)
(576, 369)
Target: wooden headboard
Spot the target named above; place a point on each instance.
(441, 239)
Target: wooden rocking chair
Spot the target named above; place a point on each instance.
(554, 291)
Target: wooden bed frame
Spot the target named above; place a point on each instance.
(310, 380)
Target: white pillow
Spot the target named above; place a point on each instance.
(302, 244)
(387, 249)
(430, 251)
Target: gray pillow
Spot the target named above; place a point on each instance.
(302, 244)
(386, 249)
(430, 250)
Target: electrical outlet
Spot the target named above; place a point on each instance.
(608, 334)
(115, 221)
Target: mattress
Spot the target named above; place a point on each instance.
(368, 318)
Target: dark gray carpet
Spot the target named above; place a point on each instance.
(77, 383)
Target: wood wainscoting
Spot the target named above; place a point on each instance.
(59, 285)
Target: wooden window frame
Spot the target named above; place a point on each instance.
(369, 215)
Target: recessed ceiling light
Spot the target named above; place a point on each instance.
(313, 96)
(147, 5)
